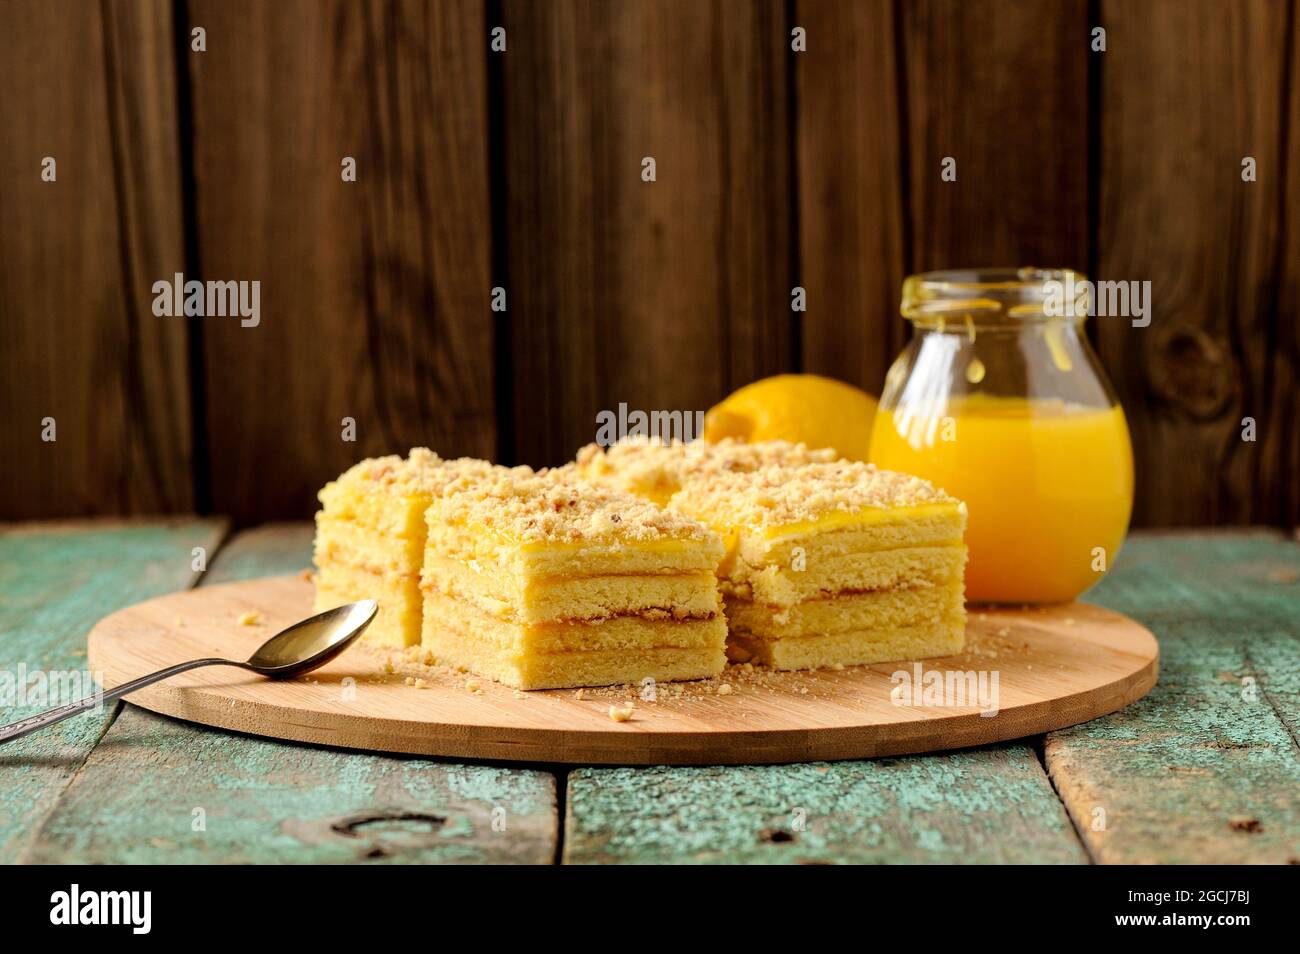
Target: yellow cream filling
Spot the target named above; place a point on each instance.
(867, 515)
(646, 546)
(508, 541)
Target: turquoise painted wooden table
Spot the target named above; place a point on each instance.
(1204, 769)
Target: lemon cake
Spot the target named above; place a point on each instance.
(370, 538)
(545, 580)
(827, 563)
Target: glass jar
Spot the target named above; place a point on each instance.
(999, 399)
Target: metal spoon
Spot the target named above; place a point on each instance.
(299, 649)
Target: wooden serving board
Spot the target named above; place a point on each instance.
(1055, 667)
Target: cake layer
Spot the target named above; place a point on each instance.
(787, 584)
(592, 557)
(443, 614)
(397, 623)
(540, 600)
(395, 516)
(571, 670)
(346, 541)
(865, 531)
(850, 648)
(883, 610)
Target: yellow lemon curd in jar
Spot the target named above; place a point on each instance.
(1048, 485)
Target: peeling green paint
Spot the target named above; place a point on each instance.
(1193, 772)
(984, 805)
(56, 581)
(265, 800)
(1197, 771)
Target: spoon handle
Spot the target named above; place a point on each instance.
(50, 716)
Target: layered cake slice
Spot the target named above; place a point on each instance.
(544, 580)
(828, 562)
(370, 538)
(832, 564)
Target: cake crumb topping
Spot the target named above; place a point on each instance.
(779, 495)
(421, 472)
(558, 506)
(659, 469)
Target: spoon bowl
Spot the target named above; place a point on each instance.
(313, 642)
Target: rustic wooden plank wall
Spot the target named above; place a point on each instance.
(665, 293)
(1189, 90)
(1280, 464)
(995, 87)
(376, 292)
(853, 224)
(523, 169)
(78, 341)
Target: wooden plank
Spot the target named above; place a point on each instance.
(852, 215)
(261, 801)
(982, 806)
(78, 256)
(268, 801)
(1001, 86)
(56, 580)
(266, 549)
(1189, 89)
(1203, 769)
(375, 293)
(666, 294)
(1279, 479)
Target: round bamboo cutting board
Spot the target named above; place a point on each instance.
(1054, 667)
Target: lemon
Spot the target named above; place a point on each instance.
(804, 408)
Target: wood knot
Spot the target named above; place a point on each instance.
(389, 833)
(1193, 371)
(385, 822)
